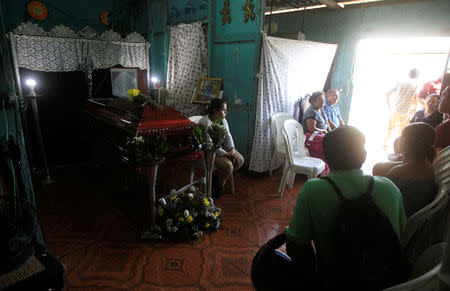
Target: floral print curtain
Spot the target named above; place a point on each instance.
(289, 69)
(188, 62)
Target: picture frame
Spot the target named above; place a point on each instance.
(207, 89)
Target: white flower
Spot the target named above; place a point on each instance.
(173, 192)
(186, 213)
(169, 222)
(192, 189)
(191, 196)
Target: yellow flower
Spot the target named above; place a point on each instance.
(181, 219)
(205, 202)
(160, 211)
(206, 225)
(216, 213)
(133, 92)
(173, 197)
(189, 219)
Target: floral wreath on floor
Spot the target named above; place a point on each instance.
(186, 216)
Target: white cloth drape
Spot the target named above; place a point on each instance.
(289, 69)
(188, 62)
(59, 54)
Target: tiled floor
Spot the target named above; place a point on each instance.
(99, 245)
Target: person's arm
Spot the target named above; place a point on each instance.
(299, 231)
(388, 99)
(311, 124)
(331, 124)
(341, 122)
(229, 143)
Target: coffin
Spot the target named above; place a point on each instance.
(111, 122)
(119, 118)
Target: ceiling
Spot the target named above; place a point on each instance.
(289, 4)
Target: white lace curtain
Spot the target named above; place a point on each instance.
(188, 62)
(59, 54)
(289, 69)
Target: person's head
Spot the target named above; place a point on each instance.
(317, 99)
(431, 102)
(414, 73)
(444, 101)
(343, 148)
(416, 142)
(332, 96)
(217, 108)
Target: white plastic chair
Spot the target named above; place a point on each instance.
(296, 159)
(276, 127)
(427, 225)
(441, 167)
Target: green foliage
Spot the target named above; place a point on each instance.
(216, 131)
(148, 148)
(186, 216)
(217, 134)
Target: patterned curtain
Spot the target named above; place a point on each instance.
(289, 69)
(188, 62)
(58, 54)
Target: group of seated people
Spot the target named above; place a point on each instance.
(399, 190)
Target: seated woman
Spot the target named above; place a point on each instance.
(228, 160)
(429, 115)
(314, 119)
(414, 175)
(443, 130)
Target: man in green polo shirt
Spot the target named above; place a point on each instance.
(318, 204)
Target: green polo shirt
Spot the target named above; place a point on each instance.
(318, 204)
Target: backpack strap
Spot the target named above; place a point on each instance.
(338, 191)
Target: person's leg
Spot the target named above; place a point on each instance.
(224, 168)
(238, 161)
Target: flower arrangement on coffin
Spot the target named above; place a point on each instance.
(216, 131)
(147, 149)
(186, 216)
(136, 96)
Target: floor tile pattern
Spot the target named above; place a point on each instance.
(99, 245)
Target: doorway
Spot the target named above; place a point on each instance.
(379, 65)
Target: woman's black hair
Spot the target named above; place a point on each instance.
(417, 141)
(216, 104)
(315, 95)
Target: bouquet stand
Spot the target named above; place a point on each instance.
(151, 172)
(209, 156)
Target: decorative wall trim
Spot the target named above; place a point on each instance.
(29, 28)
(33, 29)
(134, 37)
(88, 32)
(110, 35)
(62, 31)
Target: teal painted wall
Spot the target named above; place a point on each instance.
(346, 26)
(75, 14)
(236, 60)
(233, 51)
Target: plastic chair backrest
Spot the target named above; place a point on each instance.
(441, 166)
(195, 118)
(426, 225)
(276, 125)
(293, 134)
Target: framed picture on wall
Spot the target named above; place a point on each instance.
(207, 89)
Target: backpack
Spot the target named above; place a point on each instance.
(367, 254)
